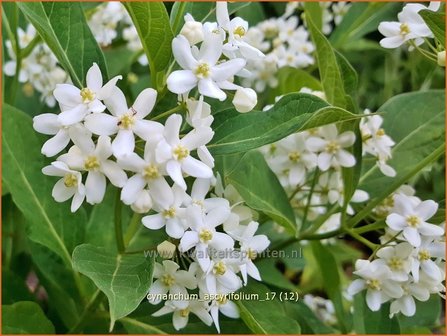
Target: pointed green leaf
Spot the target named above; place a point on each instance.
(62, 25)
(436, 23)
(25, 317)
(125, 279)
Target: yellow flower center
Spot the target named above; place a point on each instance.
(169, 213)
(184, 312)
(205, 235)
(151, 172)
(91, 163)
(126, 121)
(380, 132)
(222, 299)
(294, 156)
(203, 70)
(395, 263)
(252, 254)
(404, 29)
(167, 280)
(240, 31)
(87, 95)
(220, 268)
(332, 147)
(70, 180)
(413, 221)
(424, 255)
(199, 203)
(181, 152)
(373, 284)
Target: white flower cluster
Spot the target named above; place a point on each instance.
(411, 262)
(410, 28)
(39, 69)
(212, 66)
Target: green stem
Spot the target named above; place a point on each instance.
(29, 48)
(383, 245)
(361, 239)
(133, 227)
(309, 197)
(118, 226)
(316, 225)
(95, 300)
(178, 108)
(370, 227)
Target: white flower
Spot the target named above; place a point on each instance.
(423, 255)
(412, 219)
(85, 156)
(331, 148)
(147, 173)
(77, 103)
(192, 30)
(203, 233)
(376, 279)
(225, 306)
(199, 190)
(70, 185)
(171, 279)
(168, 202)
(125, 121)
(398, 259)
(181, 316)
(203, 70)
(245, 99)
(176, 152)
(199, 113)
(104, 22)
(406, 304)
(340, 9)
(48, 123)
(251, 246)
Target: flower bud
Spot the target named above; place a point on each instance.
(166, 249)
(441, 58)
(143, 203)
(245, 100)
(193, 31)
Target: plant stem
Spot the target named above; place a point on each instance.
(95, 300)
(118, 226)
(309, 197)
(361, 239)
(178, 17)
(133, 227)
(169, 112)
(383, 245)
(370, 227)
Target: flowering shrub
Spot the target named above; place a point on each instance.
(213, 167)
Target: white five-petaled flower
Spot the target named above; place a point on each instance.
(176, 152)
(423, 259)
(125, 121)
(223, 305)
(411, 219)
(406, 304)
(203, 234)
(376, 279)
(70, 185)
(180, 316)
(171, 279)
(85, 156)
(202, 70)
(331, 147)
(398, 259)
(168, 202)
(76, 104)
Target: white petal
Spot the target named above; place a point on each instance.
(73, 115)
(61, 193)
(209, 88)
(148, 130)
(412, 236)
(78, 198)
(101, 123)
(68, 95)
(132, 188)
(95, 187)
(426, 209)
(116, 102)
(103, 148)
(396, 222)
(230, 309)
(196, 168)
(315, 144)
(153, 222)
(145, 102)
(373, 299)
(174, 228)
(344, 158)
(181, 81)
(221, 241)
(107, 90)
(188, 241)
(228, 69)
(182, 52)
(173, 169)
(114, 173)
(124, 143)
(46, 123)
(172, 129)
(94, 78)
(56, 144)
(324, 161)
(431, 230)
(356, 287)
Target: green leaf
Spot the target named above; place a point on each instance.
(315, 13)
(63, 27)
(293, 80)
(261, 190)
(152, 23)
(369, 322)
(51, 224)
(14, 288)
(267, 317)
(234, 131)
(125, 279)
(253, 13)
(330, 72)
(25, 317)
(415, 121)
(436, 23)
(331, 281)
